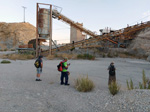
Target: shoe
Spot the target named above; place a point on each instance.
(67, 84)
(38, 80)
(61, 83)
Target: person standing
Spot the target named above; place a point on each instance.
(39, 68)
(64, 72)
(112, 73)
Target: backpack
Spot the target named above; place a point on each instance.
(37, 63)
(60, 66)
(112, 70)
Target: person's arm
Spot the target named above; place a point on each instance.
(66, 65)
(41, 64)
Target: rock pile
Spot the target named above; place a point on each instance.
(14, 34)
(141, 45)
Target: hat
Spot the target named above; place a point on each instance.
(65, 58)
(40, 56)
(112, 62)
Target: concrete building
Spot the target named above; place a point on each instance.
(75, 34)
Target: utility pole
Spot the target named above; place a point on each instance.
(24, 12)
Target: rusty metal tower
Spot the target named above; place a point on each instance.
(43, 26)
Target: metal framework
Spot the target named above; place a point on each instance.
(118, 38)
(43, 30)
(125, 34)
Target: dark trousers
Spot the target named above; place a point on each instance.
(64, 75)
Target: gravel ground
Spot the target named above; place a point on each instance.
(19, 92)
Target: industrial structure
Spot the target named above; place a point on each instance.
(118, 38)
(76, 35)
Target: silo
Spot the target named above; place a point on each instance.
(43, 24)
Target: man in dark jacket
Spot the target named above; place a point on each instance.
(112, 73)
(39, 69)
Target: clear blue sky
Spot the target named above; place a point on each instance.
(94, 14)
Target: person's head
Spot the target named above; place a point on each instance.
(112, 63)
(40, 57)
(65, 59)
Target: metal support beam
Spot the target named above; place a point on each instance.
(37, 7)
(50, 32)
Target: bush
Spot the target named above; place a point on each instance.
(130, 85)
(103, 55)
(20, 57)
(79, 56)
(72, 48)
(114, 88)
(6, 49)
(69, 56)
(5, 61)
(12, 49)
(50, 57)
(86, 56)
(145, 84)
(109, 55)
(84, 84)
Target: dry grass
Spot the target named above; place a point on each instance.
(69, 56)
(50, 57)
(85, 56)
(114, 88)
(130, 85)
(17, 57)
(145, 84)
(84, 84)
(61, 56)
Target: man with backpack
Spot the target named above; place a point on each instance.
(64, 72)
(112, 73)
(39, 65)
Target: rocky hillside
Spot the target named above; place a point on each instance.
(141, 44)
(14, 34)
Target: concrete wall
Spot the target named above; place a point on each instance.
(76, 35)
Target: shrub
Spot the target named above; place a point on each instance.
(145, 84)
(130, 85)
(114, 88)
(50, 57)
(86, 56)
(103, 55)
(69, 56)
(5, 61)
(12, 49)
(79, 56)
(19, 57)
(144, 79)
(116, 55)
(109, 55)
(72, 48)
(84, 84)
(5, 49)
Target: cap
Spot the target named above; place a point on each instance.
(40, 56)
(112, 62)
(65, 58)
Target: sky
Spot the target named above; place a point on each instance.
(94, 14)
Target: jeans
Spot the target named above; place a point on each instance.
(64, 75)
